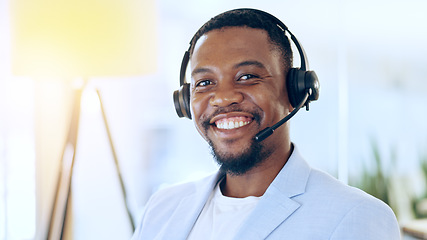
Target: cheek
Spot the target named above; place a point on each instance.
(283, 99)
(274, 103)
(198, 108)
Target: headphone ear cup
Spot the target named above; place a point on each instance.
(312, 82)
(295, 85)
(181, 99)
(298, 82)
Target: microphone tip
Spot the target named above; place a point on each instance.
(264, 134)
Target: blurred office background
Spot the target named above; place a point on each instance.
(368, 127)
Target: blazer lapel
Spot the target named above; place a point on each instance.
(277, 205)
(188, 210)
(269, 214)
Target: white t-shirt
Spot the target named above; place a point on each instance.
(222, 216)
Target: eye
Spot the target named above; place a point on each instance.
(203, 83)
(247, 77)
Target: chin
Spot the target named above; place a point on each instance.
(239, 162)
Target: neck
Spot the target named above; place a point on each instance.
(256, 181)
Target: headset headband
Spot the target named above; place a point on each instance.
(280, 24)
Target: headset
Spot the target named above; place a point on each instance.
(302, 84)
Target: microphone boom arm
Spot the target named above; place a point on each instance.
(269, 130)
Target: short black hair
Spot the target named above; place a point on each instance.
(253, 19)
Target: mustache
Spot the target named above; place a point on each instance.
(255, 112)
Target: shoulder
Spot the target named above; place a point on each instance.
(162, 205)
(332, 208)
(173, 194)
(369, 218)
(324, 185)
(357, 214)
(328, 189)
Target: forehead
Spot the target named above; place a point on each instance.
(231, 43)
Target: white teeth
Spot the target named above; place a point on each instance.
(232, 124)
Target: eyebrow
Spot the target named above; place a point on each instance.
(200, 70)
(250, 63)
(238, 65)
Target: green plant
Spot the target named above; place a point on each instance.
(419, 213)
(376, 178)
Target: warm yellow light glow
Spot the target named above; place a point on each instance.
(83, 38)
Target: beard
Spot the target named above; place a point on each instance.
(239, 163)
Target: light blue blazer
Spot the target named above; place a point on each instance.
(300, 204)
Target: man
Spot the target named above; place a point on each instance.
(264, 189)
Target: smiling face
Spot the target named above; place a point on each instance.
(238, 89)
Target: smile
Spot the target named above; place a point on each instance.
(232, 122)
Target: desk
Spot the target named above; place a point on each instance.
(416, 229)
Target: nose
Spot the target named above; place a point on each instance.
(225, 96)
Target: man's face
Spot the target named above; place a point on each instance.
(238, 89)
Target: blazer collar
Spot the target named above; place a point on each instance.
(292, 179)
(189, 209)
(276, 205)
